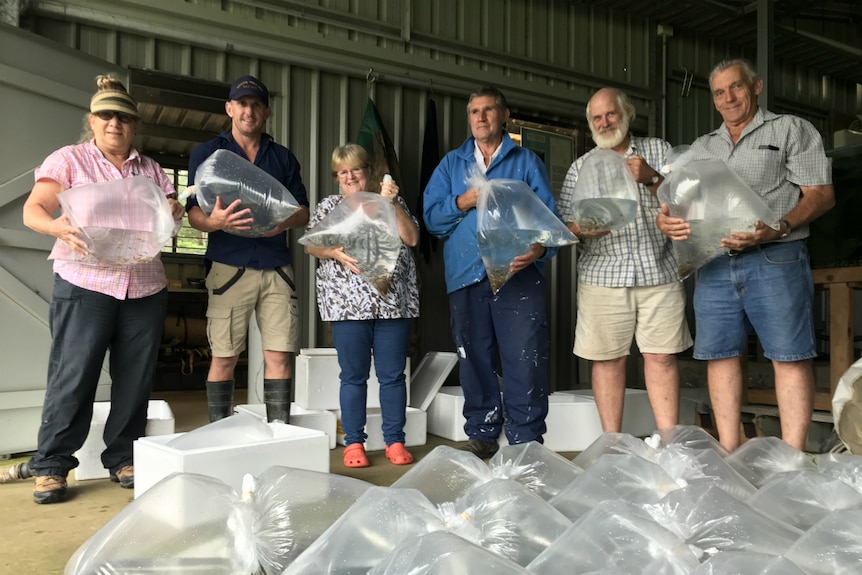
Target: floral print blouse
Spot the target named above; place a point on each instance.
(343, 295)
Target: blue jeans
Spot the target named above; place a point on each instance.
(768, 289)
(84, 326)
(355, 341)
(513, 324)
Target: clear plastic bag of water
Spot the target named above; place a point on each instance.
(180, 522)
(605, 197)
(714, 201)
(230, 177)
(443, 553)
(502, 516)
(368, 531)
(616, 537)
(510, 217)
(613, 443)
(690, 436)
(124, 222)
(709, 518)
(365, 224)
(832, 546)
(843, 466)
(802, 498)
(542, 471)
(445, 474)
(286, 512)
(747, 563)
(614, 477)
(685, 465)
(761, 458)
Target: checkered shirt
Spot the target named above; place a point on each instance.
(775, 155)
(636, 255)
(82, 164)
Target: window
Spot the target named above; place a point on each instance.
(188, 240)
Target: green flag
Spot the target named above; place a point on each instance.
(373, 137)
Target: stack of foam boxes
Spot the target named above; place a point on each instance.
(316, 397)
(573, 419)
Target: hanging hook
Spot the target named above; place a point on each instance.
(370, 78)
(686, 83)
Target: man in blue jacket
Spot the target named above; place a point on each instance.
(250, 274)
(512, 323)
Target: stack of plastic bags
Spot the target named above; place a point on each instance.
(230, 177)
(124, 222)
(674, 504)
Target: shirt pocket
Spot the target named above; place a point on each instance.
(768, 168)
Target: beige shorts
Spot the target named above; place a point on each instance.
(608, 318)
(234, 293)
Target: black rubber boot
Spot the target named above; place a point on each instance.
(276, 395)
(219, 399)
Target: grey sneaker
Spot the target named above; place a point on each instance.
(125, 477)
(49, 489)
(481, 449)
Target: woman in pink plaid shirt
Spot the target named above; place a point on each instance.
(96, 307)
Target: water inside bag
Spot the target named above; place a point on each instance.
(230, 177)
(365, 224)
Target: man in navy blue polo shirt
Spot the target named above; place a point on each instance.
(250, 274)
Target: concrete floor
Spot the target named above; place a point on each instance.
(39, 539)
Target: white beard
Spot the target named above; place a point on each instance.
(614, 139)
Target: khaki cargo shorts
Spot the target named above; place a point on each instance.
(234, 293)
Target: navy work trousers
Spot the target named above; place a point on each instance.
(84, 326)
(512, 324)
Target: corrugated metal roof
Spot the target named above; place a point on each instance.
(825, 35)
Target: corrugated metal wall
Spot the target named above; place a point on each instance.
(548, 56)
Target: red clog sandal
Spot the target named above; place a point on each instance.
(398, 455)
(354, 456)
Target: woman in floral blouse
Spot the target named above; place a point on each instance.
(364, 321)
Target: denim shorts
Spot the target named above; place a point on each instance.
(768, 289)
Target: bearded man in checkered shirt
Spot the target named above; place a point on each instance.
(628, 285)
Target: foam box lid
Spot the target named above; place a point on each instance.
(318, 351)
(429, 377)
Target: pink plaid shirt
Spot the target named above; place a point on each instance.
(84, 164)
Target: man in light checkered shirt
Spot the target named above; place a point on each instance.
(764, 282)
(627, 279)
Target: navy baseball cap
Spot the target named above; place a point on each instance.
(249, 86)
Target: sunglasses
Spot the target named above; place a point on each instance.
(123, 118)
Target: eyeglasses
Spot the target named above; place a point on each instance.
(354, 171)
(123, 118)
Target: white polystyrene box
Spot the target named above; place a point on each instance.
(573, 422)
(415, 430)
(321, 419)
(446, 414)
(290, 446)
(160, 421)
(638, 419)
(317, 383)
(20, 418)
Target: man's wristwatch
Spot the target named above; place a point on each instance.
(787, 229)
